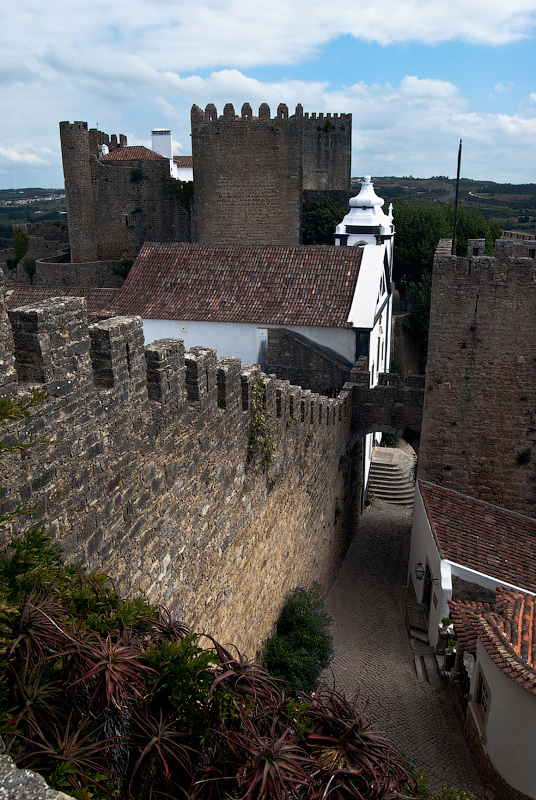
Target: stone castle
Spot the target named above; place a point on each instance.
(251, 173)
(250, 177)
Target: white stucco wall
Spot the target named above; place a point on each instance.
(240, 340)
(423, 548)
(510, 729)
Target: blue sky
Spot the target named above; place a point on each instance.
(417, 76)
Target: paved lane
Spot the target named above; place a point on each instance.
(373, 652)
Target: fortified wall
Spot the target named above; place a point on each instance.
(146, 470)
(479, 419)
(114, 206)
(146, 475)
(250, 172)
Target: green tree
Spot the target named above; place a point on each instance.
(29, 267)
(20, 243)
(320, 221)
(419, 227)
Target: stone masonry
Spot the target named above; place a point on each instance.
(113, 207)
(146, 475)
(145, 471)
(250, 172)
(479, 419)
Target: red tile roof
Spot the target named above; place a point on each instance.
(136, 153)
(97, 299)
(184, 162)
(481, 536)
(248, 284)
(507, 631)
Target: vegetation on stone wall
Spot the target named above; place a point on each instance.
(419, 227)
(112, 698)
(300, 647)
(109, 697)
(261, 446)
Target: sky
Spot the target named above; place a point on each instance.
(417, 76)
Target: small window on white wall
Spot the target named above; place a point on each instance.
(482, 701)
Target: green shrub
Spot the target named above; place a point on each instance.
(301, 647)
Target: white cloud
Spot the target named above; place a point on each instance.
(26, 154)
(135, 64)
(503, 87)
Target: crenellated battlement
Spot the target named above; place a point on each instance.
(148, 468)
(210, 114)
(513, 264)
(51, 344)
(479, 417)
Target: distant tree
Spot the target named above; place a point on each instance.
(320, 221)
(123, 268)
(419, 227)
(21, 243)
(29, 267)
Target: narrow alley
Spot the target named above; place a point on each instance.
(373, 653)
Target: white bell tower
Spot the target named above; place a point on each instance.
(366, 222)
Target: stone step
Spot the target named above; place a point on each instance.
(420, 670)
(432, 669)
(419, 635)
(391, 476)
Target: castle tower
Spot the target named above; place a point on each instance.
(250, 172)
(75, 152)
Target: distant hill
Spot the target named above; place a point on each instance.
(512, 206)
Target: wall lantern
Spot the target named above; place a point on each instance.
(420, 572)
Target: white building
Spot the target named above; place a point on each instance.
(498, 643)
(366, 225)
(466, 548)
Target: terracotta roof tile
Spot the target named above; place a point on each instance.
(97, 299)
(249, 284)
(136, 153)
(507, 631)
(184, 162)
(481, 536)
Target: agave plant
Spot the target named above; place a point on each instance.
(353, 760)
(269, 766)
(112, 668)
(69, 750)
(165, 627)
(164, 764)
(247, 678)
(38, 631)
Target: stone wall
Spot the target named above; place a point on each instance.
(250, 172)
(115, 206)
(57, 272)
(294, 358)
(479, 419)
(145, 474)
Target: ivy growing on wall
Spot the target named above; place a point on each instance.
(261, 446)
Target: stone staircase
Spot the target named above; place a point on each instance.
(391, 476)
(427, 669)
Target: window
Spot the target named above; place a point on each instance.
(482, 701)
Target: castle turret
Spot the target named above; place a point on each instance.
(75, 152)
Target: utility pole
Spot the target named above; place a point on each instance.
(453, 249)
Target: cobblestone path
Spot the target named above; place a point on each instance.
(373, 653)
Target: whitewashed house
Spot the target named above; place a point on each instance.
(497, 693)
(367, 226)
(466, 548)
